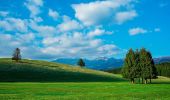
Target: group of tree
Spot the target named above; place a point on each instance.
(139, 65)
(163, 69)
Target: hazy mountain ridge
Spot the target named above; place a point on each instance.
(104, 63)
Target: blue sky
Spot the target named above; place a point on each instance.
(49, 29)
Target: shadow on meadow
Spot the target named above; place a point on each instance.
(31, 71)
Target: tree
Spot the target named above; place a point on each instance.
(16, 55)
(81, 62)
(129, 69)
(145, 72)
(151, 65)
(137, 65)
(148, 68)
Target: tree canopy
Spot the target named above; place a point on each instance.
(139, 64)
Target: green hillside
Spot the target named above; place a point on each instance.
(43, 71)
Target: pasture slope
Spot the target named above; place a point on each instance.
(43, 71)
(41, 80)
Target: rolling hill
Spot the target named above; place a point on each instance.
(43, 71)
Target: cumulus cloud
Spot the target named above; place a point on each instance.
(34, 7)
(53, 14)
(43, 30)
(67, 38)
(103, 11)
(4, 13)
(14, 24)
(138, 30)
(121, 17)
(68, 25)
(98, 32)
(78, 45)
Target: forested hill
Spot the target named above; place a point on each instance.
(163, 69)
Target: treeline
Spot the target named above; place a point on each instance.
(115, 70)
(140, 65)
(163, 69)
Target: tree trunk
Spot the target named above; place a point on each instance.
(142, 80)
(132, 80)
(139, 79)
(145, 81)
(150, 80)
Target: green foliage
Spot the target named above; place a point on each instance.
(115, 70)
(163, 69)
(139, 65)
(81, 62)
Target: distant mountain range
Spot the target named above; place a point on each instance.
(104, 63)
(101, 63)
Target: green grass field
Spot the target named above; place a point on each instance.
(41, 80)
(86, 90)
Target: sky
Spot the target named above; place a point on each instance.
(50, 29)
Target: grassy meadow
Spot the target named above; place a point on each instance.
(86, 90)
(41, 80)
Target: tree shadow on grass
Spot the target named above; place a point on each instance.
(27, 73)
(160, 82)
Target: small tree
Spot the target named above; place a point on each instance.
(81, 62)
(17, 55)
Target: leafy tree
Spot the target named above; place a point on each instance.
(81, 62)
(17, 55)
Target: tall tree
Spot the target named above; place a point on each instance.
(17, 55)
(145, 63)
(81, 62)
(151, 66)
(137, 65)
(129, 70)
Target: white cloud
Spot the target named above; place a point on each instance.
(34, 7)
(98, 32)
(157, 29)
(14, 24)
(43, 41)
(77, 45)
(100, 11)
(69, 25)
(122, 17)
(138, 30)
(4, 13)
(43, 30)
(53, 14)
(109, 49)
